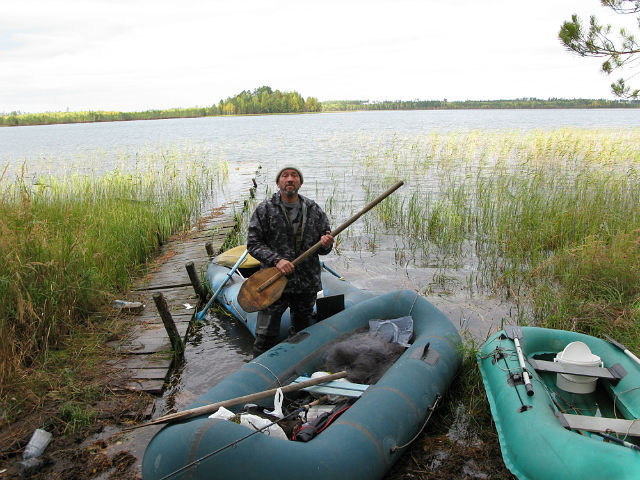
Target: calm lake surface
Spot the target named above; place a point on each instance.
(273, 139)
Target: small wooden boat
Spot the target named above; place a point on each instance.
(362, 443)
(218, 271)
(571, 413)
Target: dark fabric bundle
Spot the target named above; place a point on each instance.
(365, 358)
(310, 429)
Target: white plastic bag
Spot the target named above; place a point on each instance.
(277, 404)
(255, 422)
(223, 413)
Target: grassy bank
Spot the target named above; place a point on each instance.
(68, 244)
(550, 218)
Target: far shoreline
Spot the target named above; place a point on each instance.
(612, 105)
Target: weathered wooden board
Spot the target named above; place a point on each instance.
(152, 361)
(150, 386)
(146, 373)
(177, 317)
(146, 354)
(156, 330)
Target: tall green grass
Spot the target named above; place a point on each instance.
(550, 216)
(67, 243)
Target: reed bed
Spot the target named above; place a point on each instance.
(550, 217)
(68, 243)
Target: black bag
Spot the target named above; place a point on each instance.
(310, 429)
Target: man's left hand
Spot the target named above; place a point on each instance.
(326, 240)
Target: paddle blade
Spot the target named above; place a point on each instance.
(251, 300)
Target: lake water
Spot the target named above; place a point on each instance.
(324, 147)
(274, 139)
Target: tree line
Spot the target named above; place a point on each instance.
(265, 100)
(262, 100)
(524, 103)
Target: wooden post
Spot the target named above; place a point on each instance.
(195, 281)
(169, 325)
(210, 251)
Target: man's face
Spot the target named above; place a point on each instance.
(289, 182)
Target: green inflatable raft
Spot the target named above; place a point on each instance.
(571, 412)
(362, 443)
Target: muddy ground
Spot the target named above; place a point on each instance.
(74, 455)
(448, 449)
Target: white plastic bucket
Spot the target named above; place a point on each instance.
(577, 353)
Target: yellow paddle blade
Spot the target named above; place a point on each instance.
(254, 296)
(231, 256)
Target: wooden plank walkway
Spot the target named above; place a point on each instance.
(144, 358)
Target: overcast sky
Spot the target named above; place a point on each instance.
(141, 54)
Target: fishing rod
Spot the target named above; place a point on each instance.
(499, 353)
(619, 441)
(235, 442)
(605, 436)
(515, 334)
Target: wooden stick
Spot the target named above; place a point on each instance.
(169, 325)
(212, 407)
(338, 230)
(195, 282)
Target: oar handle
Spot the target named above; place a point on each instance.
(351, 220)
(525, 374)
(200, 315)
(334, 233)
(624, 349)
(212, 407)
(615, 343)
(269, 282)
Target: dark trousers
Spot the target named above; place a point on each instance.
(268, 323)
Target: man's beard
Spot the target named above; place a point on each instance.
(290, 193)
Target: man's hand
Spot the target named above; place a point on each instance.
(285, 266)
(326, 240)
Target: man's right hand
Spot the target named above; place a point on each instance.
(285, 266)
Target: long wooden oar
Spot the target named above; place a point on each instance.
(212, 407)
(266, 286)
(234, 443)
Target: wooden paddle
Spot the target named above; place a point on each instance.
(266, 286)
(213, 407)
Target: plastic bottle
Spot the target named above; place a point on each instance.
(39, 441)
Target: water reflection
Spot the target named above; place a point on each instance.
(216, 347)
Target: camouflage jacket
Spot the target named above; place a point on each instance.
(270, 239)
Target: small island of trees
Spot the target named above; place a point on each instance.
(263, 100)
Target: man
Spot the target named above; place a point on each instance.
(281, 229)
